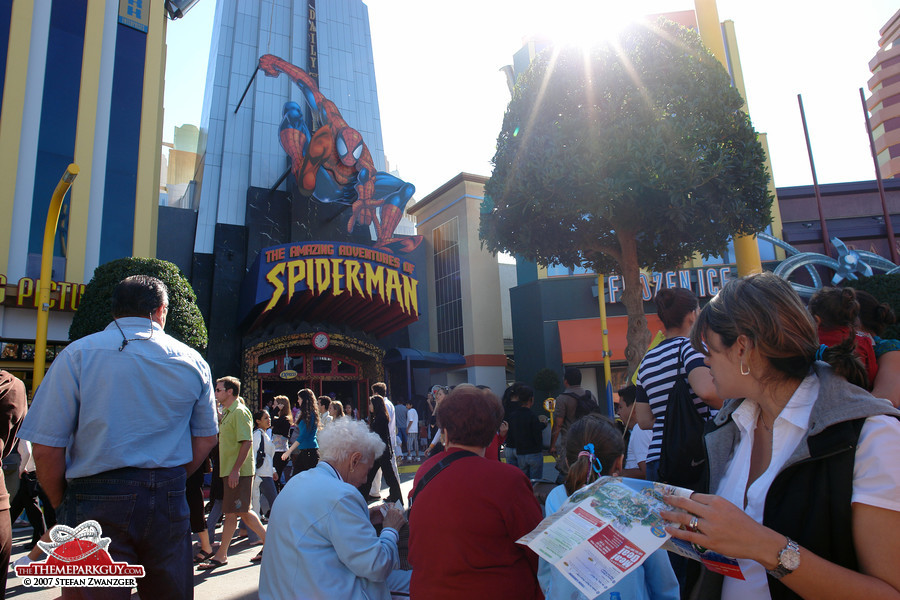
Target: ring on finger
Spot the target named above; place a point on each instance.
(694, 524)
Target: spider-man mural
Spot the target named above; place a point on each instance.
(333, 164)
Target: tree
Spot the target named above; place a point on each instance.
(184, 321)
(631, 154)
(546, 381)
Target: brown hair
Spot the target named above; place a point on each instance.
(379, 388)
(874, 316)
(838, 307)
(835, 307)
(230, 383)
(338, 407)
(593, 429)
(283, 404)
(765, 308)
(379, 408)
(673, 305)
(470, 416)
(309, 412)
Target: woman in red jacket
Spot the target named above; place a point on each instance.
(467, 516)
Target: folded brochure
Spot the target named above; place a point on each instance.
(606, 530)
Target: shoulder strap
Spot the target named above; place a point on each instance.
(440, 466)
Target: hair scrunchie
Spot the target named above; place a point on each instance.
(820, 353)
(595, 463)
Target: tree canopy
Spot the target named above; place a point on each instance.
(634, 153)
(184, 321)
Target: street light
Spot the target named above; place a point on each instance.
(43, 315)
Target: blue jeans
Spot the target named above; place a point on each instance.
(531, 464)
(510, 455)
(652, 472)
(145, 514)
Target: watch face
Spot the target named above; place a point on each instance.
(790, 557)
(320, 341)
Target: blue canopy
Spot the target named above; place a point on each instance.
(419, 358)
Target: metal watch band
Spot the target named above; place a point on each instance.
(781, 570)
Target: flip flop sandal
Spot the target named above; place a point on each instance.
(211, 564)
(257, 558)
(202, 556)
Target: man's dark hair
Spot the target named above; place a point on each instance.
(628, 394)
(231, 383)
(324, 401)
(572, 376)
(138, 296)
(379, 388)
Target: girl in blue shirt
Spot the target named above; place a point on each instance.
(652, 580)
(305, 448)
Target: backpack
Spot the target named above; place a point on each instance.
(261, 452)
(584, 404)
(682, 458)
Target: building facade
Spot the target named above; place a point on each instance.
(83, 83)
(463, 280)
(884, 103)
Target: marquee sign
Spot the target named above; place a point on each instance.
(705, 282)
(357, 285)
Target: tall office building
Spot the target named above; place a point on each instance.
(82, 83)
(884, 103)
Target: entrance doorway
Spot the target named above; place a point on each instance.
(344, 369)
(348, 392)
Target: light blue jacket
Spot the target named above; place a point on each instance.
(320, 543)
(653, 580)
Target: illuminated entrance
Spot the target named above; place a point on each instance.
(336, 364)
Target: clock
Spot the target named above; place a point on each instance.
(320, 340)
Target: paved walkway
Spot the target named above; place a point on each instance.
(239, 580)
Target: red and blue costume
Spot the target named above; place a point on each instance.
(333, 163)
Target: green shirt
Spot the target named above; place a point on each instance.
(236, 427)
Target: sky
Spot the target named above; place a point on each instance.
(442, 95)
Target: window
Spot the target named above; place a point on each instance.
(346, 368)
(561, 271)
(295, 363)
(447, 287)
(321, 364)
(266, 367)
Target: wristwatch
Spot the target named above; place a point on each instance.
(788, 560)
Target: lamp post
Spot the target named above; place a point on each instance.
(43, 315)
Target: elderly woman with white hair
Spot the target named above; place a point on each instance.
(321, 542)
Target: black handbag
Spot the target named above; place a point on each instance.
(682, 459)
(261, 453)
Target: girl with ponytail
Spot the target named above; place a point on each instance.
(594, 448)
(836, 311)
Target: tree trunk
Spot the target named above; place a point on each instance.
(632, 297)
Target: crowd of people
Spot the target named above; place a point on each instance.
(795, 476)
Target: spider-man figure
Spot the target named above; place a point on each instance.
(333, 163)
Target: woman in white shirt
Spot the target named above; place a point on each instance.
(803, 464)
(263, 480)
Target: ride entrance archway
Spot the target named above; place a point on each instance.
(344, 368)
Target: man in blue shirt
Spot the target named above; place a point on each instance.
(120, 419)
